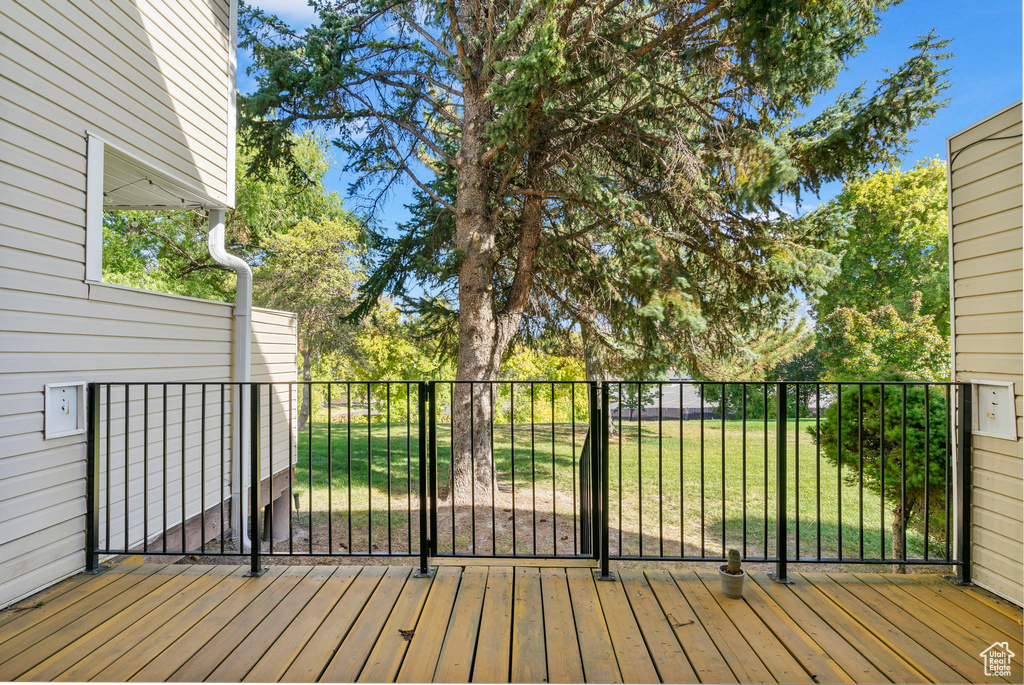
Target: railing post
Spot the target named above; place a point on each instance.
(254, 481)
(92, 477)
(431, 408)
(965, 431)
(424, 570)
(602, 499)
(781, 524)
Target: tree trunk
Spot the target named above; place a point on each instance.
(478, 356)
(593, 364)
(900, 522)
(306, 406)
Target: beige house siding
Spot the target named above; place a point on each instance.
(986, 238)
(155, 79)
(151, 77)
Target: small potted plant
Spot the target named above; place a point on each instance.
(731, 576)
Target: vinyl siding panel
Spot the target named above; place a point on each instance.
(152, 79)
(986, 220)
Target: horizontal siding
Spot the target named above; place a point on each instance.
(986, 228)
(150, 77)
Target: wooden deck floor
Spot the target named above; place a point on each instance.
(499, 623)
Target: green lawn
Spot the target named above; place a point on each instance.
(641, 466)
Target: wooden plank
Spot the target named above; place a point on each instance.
(564, 663)
(529, 659)
(742, 659)
(97, 638)
(168, 657)
(917, 644)
(998, 603)
(49, 611)
(351, 656)
(160, 622)
(634, 660)
(860, 638)
(494, 643)
(318, 650)
(773, 654)
(815, 660)
(707, 661)
(32, 646)
(425, 646)
(455, 663)
(272, 665)
(200, 666)
(27, 606)
(969, 603)
(853, 663)
(552, 562)
(964, 622)
(240, 661)
(595, 644)
(387, 655)
(668, 656)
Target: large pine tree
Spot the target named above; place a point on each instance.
(631, 153)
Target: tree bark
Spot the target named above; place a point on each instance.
(898, 527)
(593, 364)
(478, 356)
(307, 404)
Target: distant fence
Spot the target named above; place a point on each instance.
(784, 472)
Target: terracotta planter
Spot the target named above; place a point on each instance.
(732, 586)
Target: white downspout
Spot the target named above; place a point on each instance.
(240, 368)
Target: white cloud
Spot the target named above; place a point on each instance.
(296, 12)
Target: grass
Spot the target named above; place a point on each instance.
(665, 499)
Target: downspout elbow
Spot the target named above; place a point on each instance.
(241, 363)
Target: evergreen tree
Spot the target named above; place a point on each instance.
(610, 146)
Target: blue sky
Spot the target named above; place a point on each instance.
(985, 76)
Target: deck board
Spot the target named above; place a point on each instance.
(493, 623)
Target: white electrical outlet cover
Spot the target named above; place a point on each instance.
(63, 409)
(995, 413)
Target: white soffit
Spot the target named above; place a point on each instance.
(130, 184)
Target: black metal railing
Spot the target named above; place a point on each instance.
(860, 472)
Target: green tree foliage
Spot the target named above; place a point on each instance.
(888, 310)
(916, 444)
(626, 157)
(882, 341)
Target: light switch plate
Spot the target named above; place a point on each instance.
(64, 409)
(995, 412)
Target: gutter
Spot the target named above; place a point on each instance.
(240, 371)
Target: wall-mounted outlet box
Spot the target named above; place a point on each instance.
(995, 415)
(64, 410)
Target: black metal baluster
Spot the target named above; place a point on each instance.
(451, 460)
(369, 470)
(223, 473)
(533, 463)
(881, 469)
(927, 472)
(270, 466)
(781, 526)
(422, 397)
(661, 473)
(387, 422)
(348, 466)
(903, 471)
(432, 461)
(721, 417)
(309, 473)
(512, 408)
(860, 460)
(703, 520)
(492, 392)
(554, 511)
(620, 468)
(110, 485)
(183, 469)
(408, 461)
(817, 459)
(796, 471)
(163, 456)
(947, 465)
(743, 409)
(682, 472)
(472, 470)
(255, 568)
(572, 420)
(291, 470)
(202, 465)
(145, 473)
(127, 415)
(839, 467)
(330, 471)
(764, 417)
